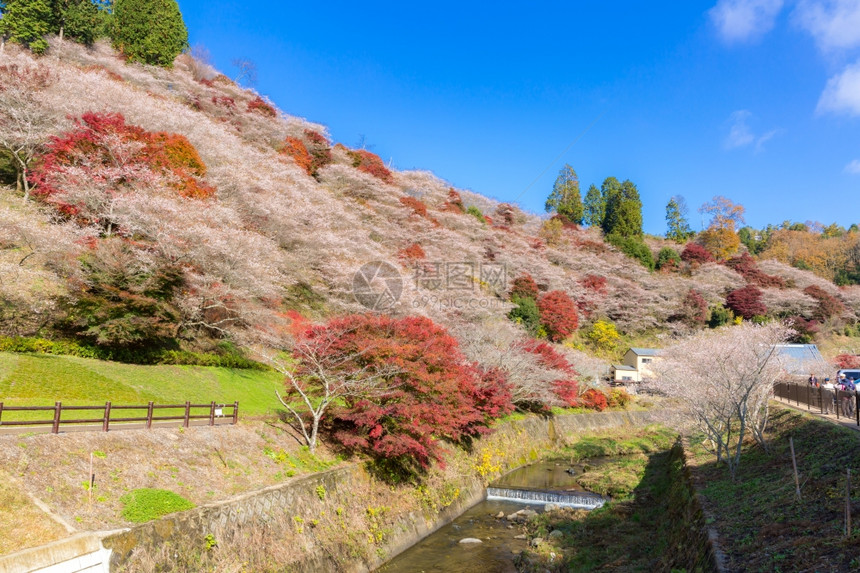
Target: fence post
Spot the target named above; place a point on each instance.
(808, 399)
(149, 416)
(1, 413)
(856, 406)
(212, 414)
(187, 413)
(106, 422)
(58, 407)
(235, 413)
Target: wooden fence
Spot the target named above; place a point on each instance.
(114, 414)
(843, 404)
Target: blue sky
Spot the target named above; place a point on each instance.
(756, 100)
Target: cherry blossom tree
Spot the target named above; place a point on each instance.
(723, 380)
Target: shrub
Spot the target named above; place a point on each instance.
(434, 394)
(567, 390)
(417, 205)
(146, 504)
(746, 302)
(524, 286)
(695, 253)
(149, 31)
(668, 259)
(319, 148)
(549, 356)
(593, 399)
(633, 247)
(551, 232)
(261, 106)
(694, 309)
(476, 213)
(618, 398)
(557, 315)
(454, 203)
(603, 336)
(526, 313)
(594, 283)
(371, 164)
(719, 315)
(847, 361)
(295, 149)
(828, 305)
(804, 330)
(413, 252)
(746, 266)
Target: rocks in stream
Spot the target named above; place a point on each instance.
(470, 540)
(522, 515)
(500, 515)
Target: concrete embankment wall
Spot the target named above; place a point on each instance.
(351, 489)
(344, 519)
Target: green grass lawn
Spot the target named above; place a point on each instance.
(42, 379)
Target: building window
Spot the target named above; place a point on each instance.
(646, 361)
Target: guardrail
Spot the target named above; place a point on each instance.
(109, 415)
(844, 404)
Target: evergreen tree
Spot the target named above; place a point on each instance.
(565, 199)
(623, 208)
(149, 31)
(27, 22)
(594, 207)
(78, 20)
(678, 228)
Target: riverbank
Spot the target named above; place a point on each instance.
(345, 519)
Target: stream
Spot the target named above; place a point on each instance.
(531, 488)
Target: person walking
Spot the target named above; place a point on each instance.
(827, 394)
(813, 381)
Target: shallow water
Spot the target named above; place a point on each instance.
(443, 552)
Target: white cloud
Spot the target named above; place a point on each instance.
(741, 134)
(744, 20)
(853, 167)
(835, 24)
(842, 92)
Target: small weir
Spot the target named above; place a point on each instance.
(579, 500)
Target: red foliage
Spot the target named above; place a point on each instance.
(746, 266)
(319, 148)
(694, 308)
(558, 315)
(435, 394)
(224, 101)
(417, 205)
(92, 144)
(805, 330)
(371, 164)
(695, 253)
(454, 203)
(847, 361)
(567, 389)
(524, 287)
(594, 283)
(259, 105)
(590, 246)
(746, 302)
(506, 213)
(413, 252)
(828, 305)
(537, 244)
(594, 399)
(99, 68)
(295, 148)
(549, 356)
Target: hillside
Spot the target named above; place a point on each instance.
(264, 225)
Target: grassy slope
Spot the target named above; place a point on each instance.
(32, 379)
